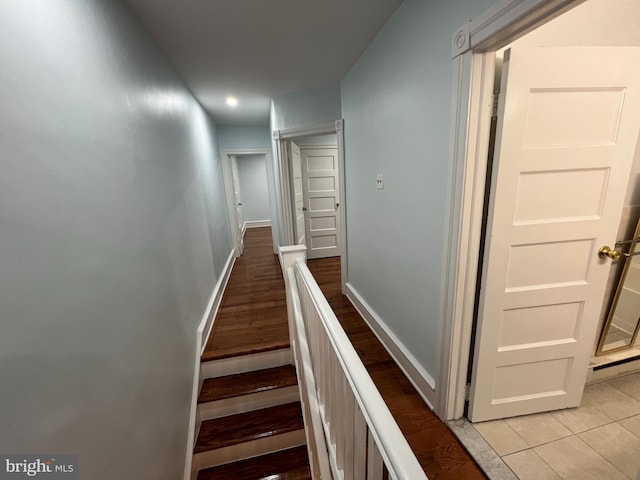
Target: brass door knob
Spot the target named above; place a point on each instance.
(607, 251)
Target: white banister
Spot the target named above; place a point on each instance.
(351, 433)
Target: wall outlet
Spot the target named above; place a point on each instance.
(379, 181)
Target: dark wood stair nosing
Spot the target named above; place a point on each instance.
(256, 381)
(245, 427)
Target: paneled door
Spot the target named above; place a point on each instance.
(322, 201)
(567, 132)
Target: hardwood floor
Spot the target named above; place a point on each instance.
(435, 446)
(253, 313)
(253, 318)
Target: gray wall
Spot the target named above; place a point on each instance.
(234, 137)
(112, 234)
(396, 102)
(307, 108)
(254, 191)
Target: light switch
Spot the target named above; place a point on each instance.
(379, 181)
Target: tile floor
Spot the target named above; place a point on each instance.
(598, 440)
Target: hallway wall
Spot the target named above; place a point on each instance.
(112, 235)
(396, 102)
(238, 137)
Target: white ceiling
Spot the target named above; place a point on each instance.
(258, 49)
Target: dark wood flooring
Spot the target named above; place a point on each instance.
(252, 318)
(436, 447)
(253, 313)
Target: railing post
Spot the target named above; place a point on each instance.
(291, 254)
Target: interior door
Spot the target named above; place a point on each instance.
(237, 202)
(321, 197)
(567, 132)
(298, 196)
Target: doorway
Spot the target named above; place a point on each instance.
(312, 197)
(315, 194)
(248, 182)
(479, 65)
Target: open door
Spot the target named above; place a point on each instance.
(298, 196)
(237, 202)
(567, 133)
(322, 200)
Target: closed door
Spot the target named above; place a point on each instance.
(298, 195)
(322, 201)
(567, 132)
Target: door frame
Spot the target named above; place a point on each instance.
(473, 64)
(225, 163)
(286, 219)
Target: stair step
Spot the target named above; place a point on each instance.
(246, 363)
(243, 427)
(290, 464)
(247, 383)
(249, 434)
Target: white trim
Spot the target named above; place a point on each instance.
(418, 376)
(215, 300)
(256, 224)
(281, 137)
(202, 335)
(499, 25)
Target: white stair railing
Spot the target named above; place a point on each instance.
(351, 434)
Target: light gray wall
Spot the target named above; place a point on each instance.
(396, 102)
(112, 234)
(254, 191)
(234, 137)
(307, 108)
(318, 140)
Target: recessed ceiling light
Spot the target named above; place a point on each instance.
(232, 101)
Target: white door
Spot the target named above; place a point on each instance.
(237, 202)
(298, 196)
(567, 131)
(322, 201)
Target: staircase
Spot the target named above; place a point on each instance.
(250, 419)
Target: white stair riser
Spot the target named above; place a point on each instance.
(245, 363)
(253, 448)
(247, 403)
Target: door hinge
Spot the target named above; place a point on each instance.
(494, 105)
(467, 391)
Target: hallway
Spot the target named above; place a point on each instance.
(252, 319)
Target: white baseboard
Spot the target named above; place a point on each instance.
(256, 224)
(204, 330)
(216, 299)
(417, 375)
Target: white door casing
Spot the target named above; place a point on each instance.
(567, 132)
(322, 201)
(298, 196)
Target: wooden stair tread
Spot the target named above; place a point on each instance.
(244, 427)
(239, 350)
(246, 383)
(290, 464)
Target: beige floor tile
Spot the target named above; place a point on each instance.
(611, 401)
(617, 445)
(581, 419)
(538, 429)
(572, 459)
(629, 384)
(527, 465)
(501, 437)
(632, 424)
